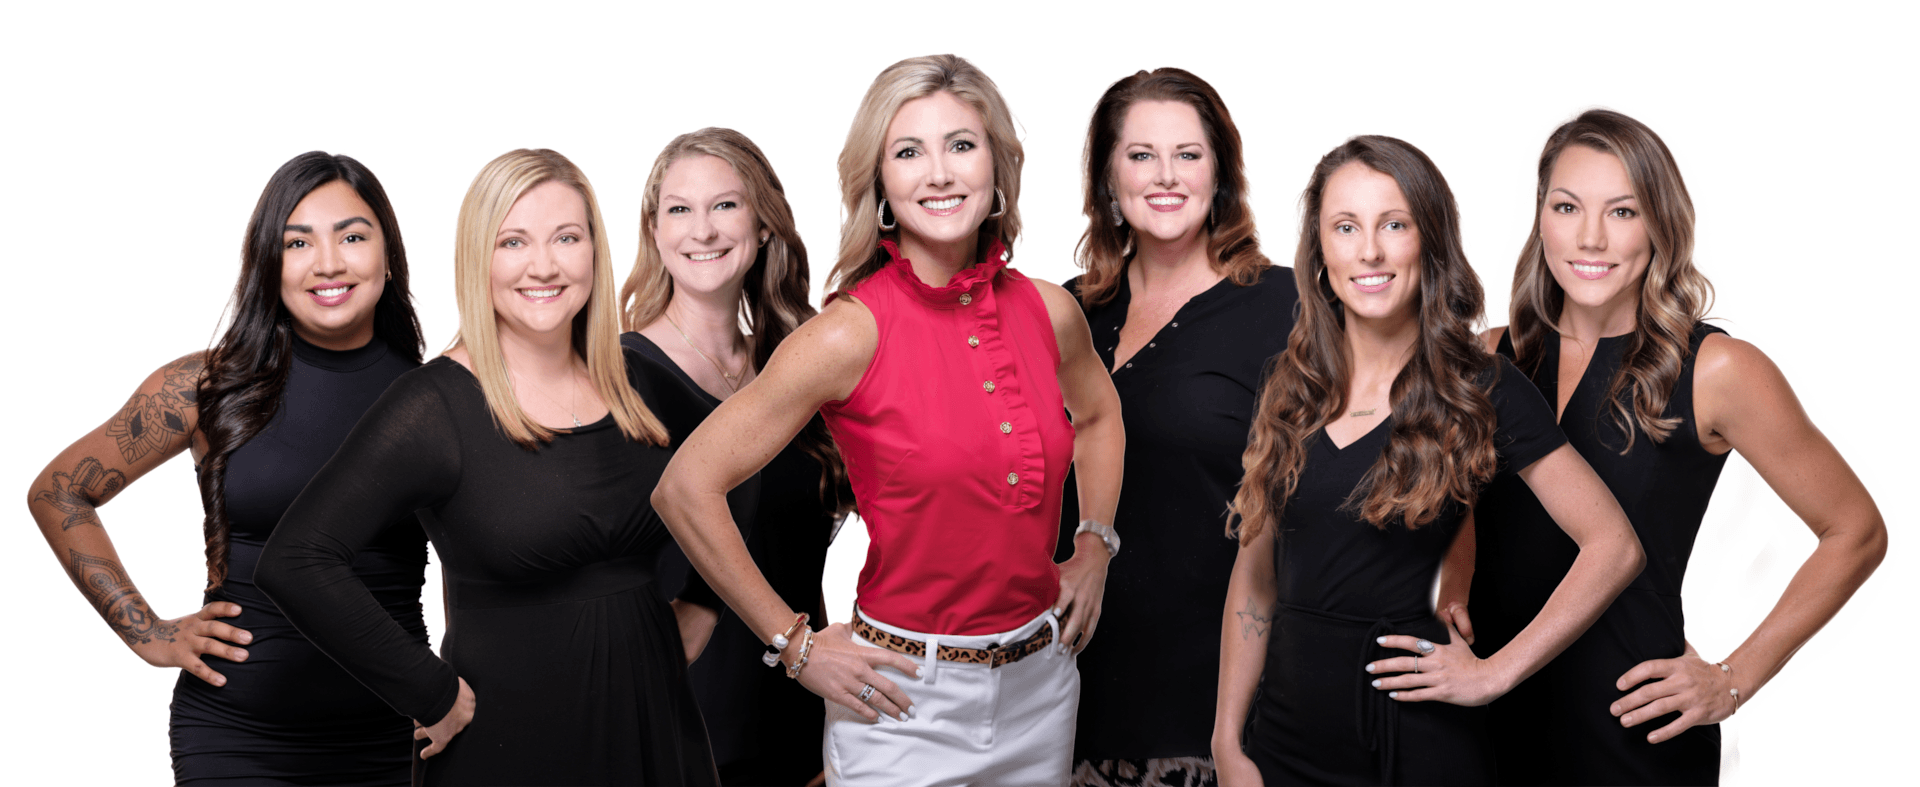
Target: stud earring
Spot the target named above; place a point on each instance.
(885, 225)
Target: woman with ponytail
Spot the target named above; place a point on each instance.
(322, 323)
(1377, 428)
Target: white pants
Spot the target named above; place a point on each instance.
(972, 725)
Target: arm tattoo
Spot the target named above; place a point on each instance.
(1252, 623)
(148, 423)
(76, 494)
(106, 584)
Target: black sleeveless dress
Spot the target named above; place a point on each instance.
(1316, 718)
(1555, 727)
(765, 727)
(289, 714)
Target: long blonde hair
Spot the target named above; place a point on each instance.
(917, 77)
(1674, 296)
(773, 303)
(596, 329)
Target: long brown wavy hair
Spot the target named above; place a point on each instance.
(1440, 447)
(918, 77)
(1674, 296)
(773, 302)
(1104, 249)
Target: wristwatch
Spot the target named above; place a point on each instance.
(1105, 532)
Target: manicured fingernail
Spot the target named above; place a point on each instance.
(1376, 684)
(1369, 667)
(903, 717)
(1393, 695)
(913, 711)
(1380, 640)
(916, 672)
(220, 681)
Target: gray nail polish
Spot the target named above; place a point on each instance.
(1376, 684)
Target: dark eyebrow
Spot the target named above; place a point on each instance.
(307, 228)
(345, 223)
(722, 195)
(1621, 198)
(1576, 197)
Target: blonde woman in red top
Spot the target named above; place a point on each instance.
(947, 379)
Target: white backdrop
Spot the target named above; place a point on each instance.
(142, 137)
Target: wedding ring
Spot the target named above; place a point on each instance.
(1416, 663)
(866, 693)
(1425, 647)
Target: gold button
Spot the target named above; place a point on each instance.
(1006, 427)
(973, 341)
(987, 385)
(1012, 478)
(965, 299)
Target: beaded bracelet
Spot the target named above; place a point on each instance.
(806, 647)
(780, 640)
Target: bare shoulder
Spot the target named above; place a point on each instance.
(1062, 308)
(1490, 338)
(828, 355)
(1728, 366)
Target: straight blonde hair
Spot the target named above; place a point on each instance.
(596, 329)
(917, 77)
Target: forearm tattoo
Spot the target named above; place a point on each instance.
(148, 423)
(1252, 623)
(77, 493)
(106, 584)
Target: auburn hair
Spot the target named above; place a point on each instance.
(1104, 250)
(1674, 296)
(1440, 447)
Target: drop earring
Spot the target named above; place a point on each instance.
(1113, 209)
(885, 226)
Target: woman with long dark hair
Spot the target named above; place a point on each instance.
(947, 379)
(1185, 312)
(322, 323)
(1607, 310)
(528, 449)
(1378, 426)
(717, 241)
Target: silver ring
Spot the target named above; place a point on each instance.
(1425, 647)
(866, 693)
(1416, 663)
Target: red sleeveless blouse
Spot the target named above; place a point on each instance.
(957, 444)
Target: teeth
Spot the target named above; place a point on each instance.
(940, 204)
(705, 256)
(332, 291)
(1373, 281)
(1590, 268)
(545, 293)
(1166, 200)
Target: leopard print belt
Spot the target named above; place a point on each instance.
(992, 656)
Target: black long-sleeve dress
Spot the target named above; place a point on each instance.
(288, 714)
(765, 727)
(1316, 718)
(576, 665)
(1555, 728)
(1148, 680)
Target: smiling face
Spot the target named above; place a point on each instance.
(542, 270)
(1591, 230)
(705, 233)
(333, 267)
(937, 171)
(1163, 170)
(1371, 247)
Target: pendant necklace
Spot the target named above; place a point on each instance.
(1362, 413)
(732, 379)
(574, 387)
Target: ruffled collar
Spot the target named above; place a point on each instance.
(964, 283)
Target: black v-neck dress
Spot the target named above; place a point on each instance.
(576, 665)
(1555, 728)
(765, 727)
(1342, 583)
(1149, 677)
(289, 714)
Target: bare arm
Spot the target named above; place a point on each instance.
(1456, 579)
(158, 422)
(1744, 403)
(821, 362)
(1099, 456)
(1245, 626)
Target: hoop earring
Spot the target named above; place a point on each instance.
(885, 226)
(999, 200)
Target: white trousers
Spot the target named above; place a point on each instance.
(972, 725)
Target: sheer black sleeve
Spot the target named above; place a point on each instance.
(1527, 430)
(403, 456)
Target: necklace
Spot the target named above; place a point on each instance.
(1362, 413)
(732, 379)
(573, 386)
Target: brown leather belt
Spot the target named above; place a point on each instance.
(992, 656)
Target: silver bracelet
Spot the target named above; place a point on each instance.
(1104, 531)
